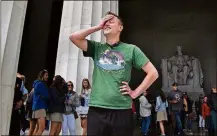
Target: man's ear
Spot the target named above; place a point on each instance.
(121, 28)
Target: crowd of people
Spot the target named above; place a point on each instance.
(177, 108)
(56, 104)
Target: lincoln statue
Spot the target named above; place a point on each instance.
(181, 69)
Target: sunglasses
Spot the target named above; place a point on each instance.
(69, 85)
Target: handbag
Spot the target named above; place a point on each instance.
(75, 113)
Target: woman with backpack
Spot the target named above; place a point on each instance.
(40, 101)
(84, 99)
(56, 105)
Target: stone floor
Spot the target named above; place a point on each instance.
(154, 130)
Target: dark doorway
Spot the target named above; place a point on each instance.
(40, 39)
(157, 27)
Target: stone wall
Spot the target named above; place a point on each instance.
(12, 20)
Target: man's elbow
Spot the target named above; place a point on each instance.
(154, 74)
(73, 37)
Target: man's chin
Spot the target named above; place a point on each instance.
(106, 32)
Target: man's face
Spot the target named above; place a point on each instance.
(214, 90)
(45, 77)
(174, 88)
(112, 27)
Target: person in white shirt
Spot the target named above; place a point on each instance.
(84, 98)
(145, 113)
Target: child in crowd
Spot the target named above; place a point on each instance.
(145, 112)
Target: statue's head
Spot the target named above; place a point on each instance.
(179, 49)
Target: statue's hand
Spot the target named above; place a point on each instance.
(164, 58)
(169, 66)
(192, 58)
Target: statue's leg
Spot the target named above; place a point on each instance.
(185, 74)
(175, 71)
(165, 75)
(197, 72)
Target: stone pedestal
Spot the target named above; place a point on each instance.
(70, 62)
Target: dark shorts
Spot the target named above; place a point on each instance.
(108, 122)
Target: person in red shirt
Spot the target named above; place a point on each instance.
(206, 113)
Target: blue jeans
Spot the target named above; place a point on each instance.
(208, 122)
(177, 124)
(68, 124)
(189, 122)
(214, 119)
(145, 124)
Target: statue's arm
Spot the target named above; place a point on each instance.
(171, 58)
(170, 62)
(188, 61)
(169, 66)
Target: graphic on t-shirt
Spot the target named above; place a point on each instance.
(177, 97)
(111, 60)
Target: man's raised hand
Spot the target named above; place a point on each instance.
(104, 20)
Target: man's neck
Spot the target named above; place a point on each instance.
(112, 40)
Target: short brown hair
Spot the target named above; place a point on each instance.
(111, 13)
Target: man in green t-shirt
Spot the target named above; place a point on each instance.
(110, 111)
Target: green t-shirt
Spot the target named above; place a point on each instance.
(112, 65)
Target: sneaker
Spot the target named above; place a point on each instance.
(190, 132)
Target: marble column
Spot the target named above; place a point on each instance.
(70, 61)
(12, 19)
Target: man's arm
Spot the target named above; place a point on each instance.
(79, 37)
(151, 76)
